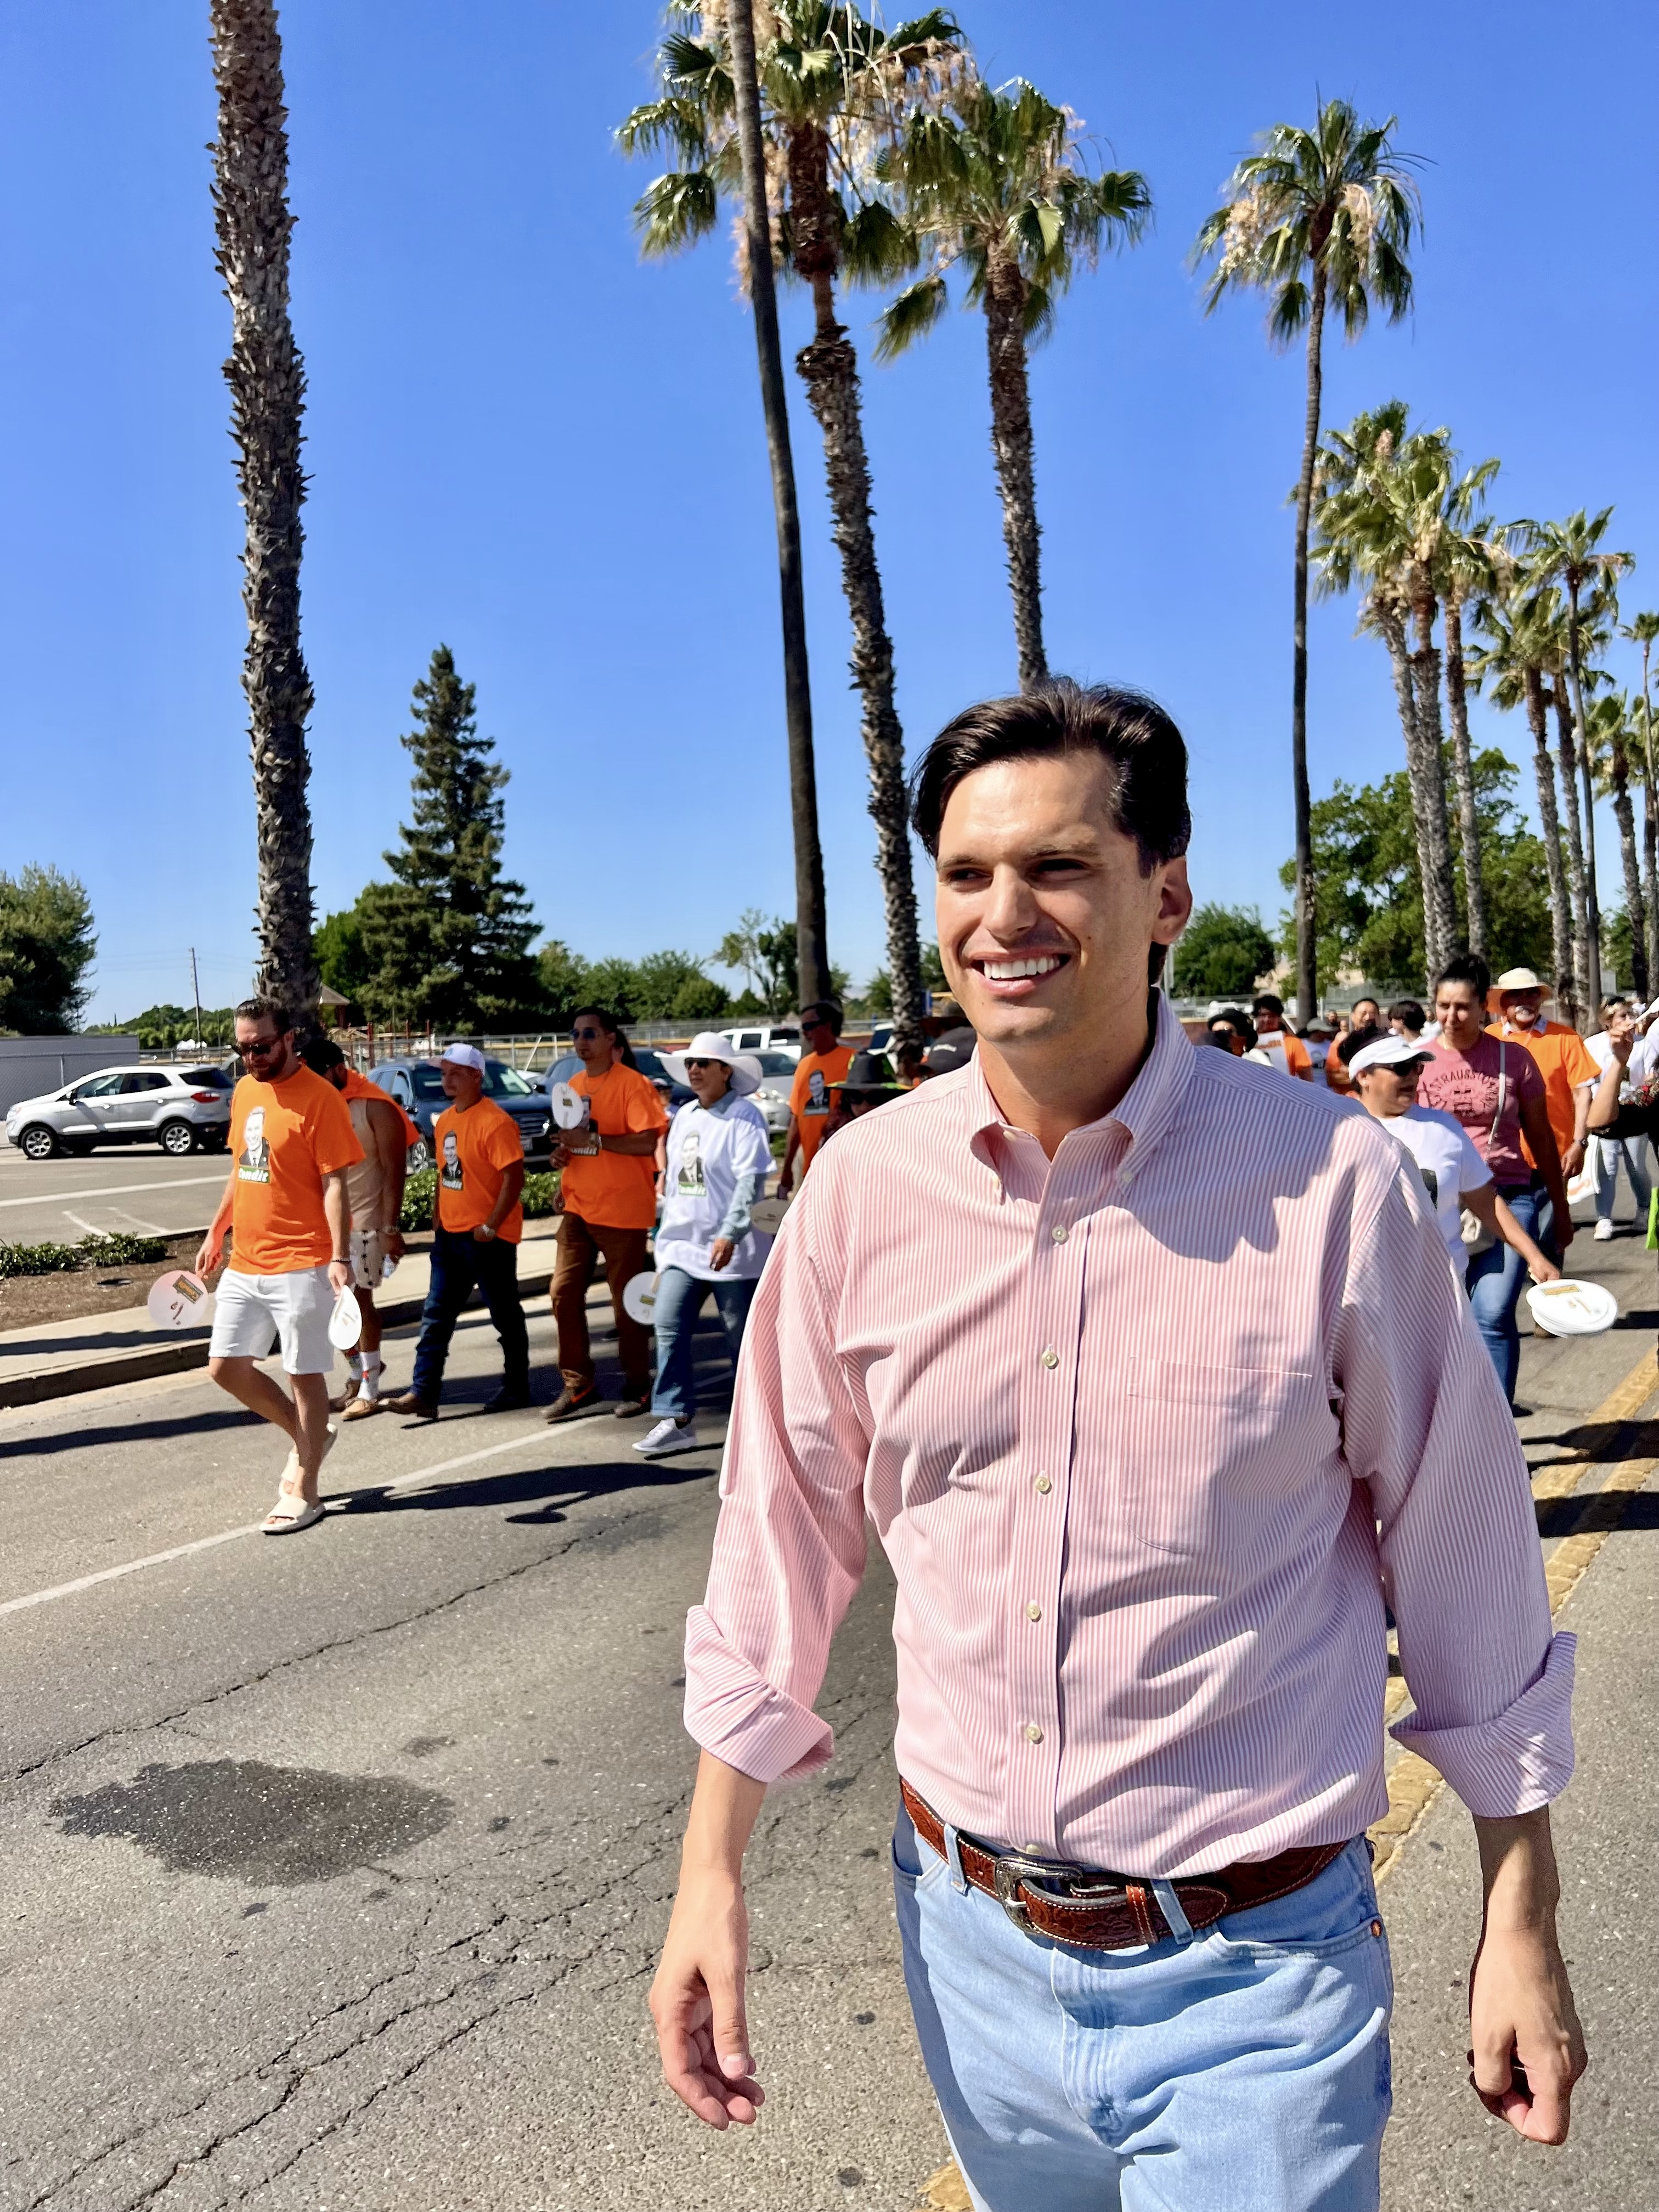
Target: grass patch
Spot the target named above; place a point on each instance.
(113, 1251)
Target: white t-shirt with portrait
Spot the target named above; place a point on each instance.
(1446, 1156)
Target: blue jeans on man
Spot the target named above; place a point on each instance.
(1242, 2069)
(674, 1318)
(460, 1262)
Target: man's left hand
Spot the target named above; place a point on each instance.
(339, 1276)
(484, 1234)
(1572, 1159)
(1521, 2011)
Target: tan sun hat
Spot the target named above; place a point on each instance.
(1514, 979)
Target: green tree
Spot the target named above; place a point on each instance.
(1612, 735)
(1514, 656)
(1370, 895)
(1221, 953)
(47, 945)
(999, 183)
(1642, 631)
(342, 957)
(564, 982)
(878, 991)
(447, 941)
(267, 382)
(827, 75)
(1312, 217)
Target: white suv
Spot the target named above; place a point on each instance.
(183, 1109)
(763, 1037)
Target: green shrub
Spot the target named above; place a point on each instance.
(540, 1194)
(38, 1259)
(118, 1249)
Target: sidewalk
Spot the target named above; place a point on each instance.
(56, 1359)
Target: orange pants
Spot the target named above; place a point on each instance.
(582, 1245)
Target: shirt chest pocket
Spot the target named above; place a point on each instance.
(1213, 1459)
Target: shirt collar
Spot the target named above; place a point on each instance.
(1145, 1110)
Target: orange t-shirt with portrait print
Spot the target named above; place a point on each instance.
(284, 1138)
(473, 1150)
(809, 1096)
(617, 1190)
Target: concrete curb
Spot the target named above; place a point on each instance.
(177, 1357)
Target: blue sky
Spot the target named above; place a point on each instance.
(524, 443)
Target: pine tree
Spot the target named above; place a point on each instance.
(448, 939)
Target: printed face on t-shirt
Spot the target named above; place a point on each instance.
(253, 1161)
(452, 1174)
(818, 1095)
(691, 1180)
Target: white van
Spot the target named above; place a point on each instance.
(763, 1037)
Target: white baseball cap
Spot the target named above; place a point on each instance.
(1387, 1052)
(465, 1055)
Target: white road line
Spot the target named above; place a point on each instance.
(114, 1190)
(153, 1227)
(249, 1528)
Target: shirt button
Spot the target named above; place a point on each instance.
(1044, 1485)
(1033, 1732)
(1059, 1232)
(1051, 1359)
(1033, 1611)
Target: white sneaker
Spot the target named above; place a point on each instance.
(668, 1436)
(1604, 1232)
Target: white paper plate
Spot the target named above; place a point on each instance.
(569, 1108)
(767, 1214)
(180, 1300)
(639, 1298)
(1570, 1309)
(345, 1324)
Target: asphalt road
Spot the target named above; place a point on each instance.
(134, 1187)
(336, 1866)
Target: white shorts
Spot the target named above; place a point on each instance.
(368, 1257)
(252, 1312)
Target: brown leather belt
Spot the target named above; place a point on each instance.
(1111, 1912)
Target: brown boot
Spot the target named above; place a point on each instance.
(569, 1403)
(635, 1399)
(338, 1405)
(416, 1407)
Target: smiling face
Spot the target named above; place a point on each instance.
(1387, 1092)
(1522, 1008)
(1045, 919)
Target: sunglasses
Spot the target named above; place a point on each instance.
(261, 1048)
(705, 1063)
(586, 1033)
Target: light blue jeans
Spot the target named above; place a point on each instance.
(674, 1318)
(1609, 1153)
(1242, 2069)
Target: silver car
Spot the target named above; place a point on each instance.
(182, 1109)
(777, 1078)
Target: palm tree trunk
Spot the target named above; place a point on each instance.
(1575, 677)
(1010, 449)
(1437, 949)
(1564, 979)
(812, 925)
(1306, 978)
(266, 376)
(1650, 829)
(1635, 907)
(1589, 985)
(1468, 818)
(1433, 828)
(828, 367)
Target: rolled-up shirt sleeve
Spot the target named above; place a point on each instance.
(789, 1548)
(1426, 1429)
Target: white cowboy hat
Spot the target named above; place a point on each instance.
(708, 1044)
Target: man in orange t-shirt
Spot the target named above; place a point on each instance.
(822, 1065)
(287, 1208)
(479, 1219)
(608, 1192)
(1284, 1049)
(1565, 1060)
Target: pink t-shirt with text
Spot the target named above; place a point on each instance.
(1466, 1084)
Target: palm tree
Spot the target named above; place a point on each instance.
(267, 380)
(1571, 553)
(1312, 217)
(826, 76)
(1468, 551)
(1610, 734)
(1515, 655)
(997, 182)
(1642, 631)
(1380, 501)
(812, 919)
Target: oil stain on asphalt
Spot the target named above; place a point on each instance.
(243, 1820)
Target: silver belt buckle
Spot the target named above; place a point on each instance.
(1009, 1869)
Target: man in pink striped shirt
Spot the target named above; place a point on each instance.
(1148, 1370)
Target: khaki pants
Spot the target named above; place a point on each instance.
(582, 1245)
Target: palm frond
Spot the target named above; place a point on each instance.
(675, 212)
(878, 245)
(676, 125)
(911, 315)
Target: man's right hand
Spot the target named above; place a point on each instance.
(786, 1180)
(211, 1257)
(697, 2002)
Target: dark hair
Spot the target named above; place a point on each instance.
(1212, 1036)
(263, 1008)
(1238, 1022)
(823, 1010)
(1407, 1010)
(1467, 968)
(1357, 1040)
(1130, 732)
(1266, 1002)
(321, 1053)
(608, 1021)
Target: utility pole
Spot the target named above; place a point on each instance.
(196, 994)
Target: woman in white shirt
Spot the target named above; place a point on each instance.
(1608, 1151)
(718, 1154)
(1384, 1075)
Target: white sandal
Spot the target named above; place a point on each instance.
(290, 1514)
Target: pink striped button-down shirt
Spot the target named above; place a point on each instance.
(1149, 1432)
